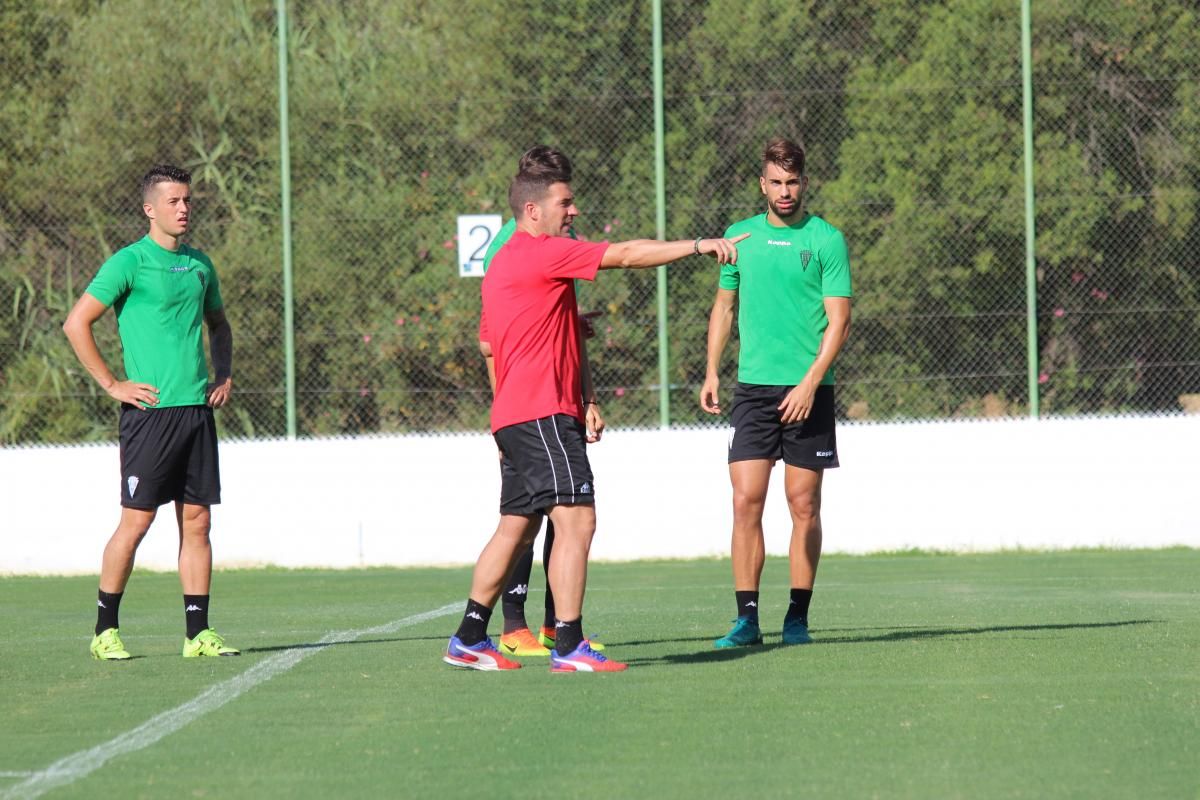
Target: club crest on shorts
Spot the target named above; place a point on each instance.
(133, 484)
(731, 432)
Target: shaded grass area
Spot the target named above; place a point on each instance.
(1071, 674)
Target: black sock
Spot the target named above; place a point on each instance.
(512, 602)
(567, 635)
(107, 606)
(798, 608)
(473, 628)
(195, 610)
(747, 604)
(548, 618)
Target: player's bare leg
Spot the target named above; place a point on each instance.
(803, 488)
(750, 480)
(574, 527)
(195, 575)
(513, 536)
(195, 548)
(119, 553)
(470, 646)
(115, 568)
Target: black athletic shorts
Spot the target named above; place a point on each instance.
(544, 463)
(755, 429)
(168, 454)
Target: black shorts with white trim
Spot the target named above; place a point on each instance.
(544, 463)
(757, 431)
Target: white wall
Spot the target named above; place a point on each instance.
(433, 500)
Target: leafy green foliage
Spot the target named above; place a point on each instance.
(405, 115)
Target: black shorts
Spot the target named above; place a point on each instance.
(168, 454)
(544, 463)
(755, 429)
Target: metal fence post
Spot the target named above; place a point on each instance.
(285, 198)
(1031, 326)
(660, 215)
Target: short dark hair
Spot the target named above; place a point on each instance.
(527, 188)
(164, 173)
(545, 162)
(785, 154)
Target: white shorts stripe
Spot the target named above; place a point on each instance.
(566, 459)
(549, 458)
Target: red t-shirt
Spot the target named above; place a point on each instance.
(531, 320)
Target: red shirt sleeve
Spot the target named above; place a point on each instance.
(569, 258)
(483, 328)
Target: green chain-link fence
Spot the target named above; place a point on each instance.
(405, 115)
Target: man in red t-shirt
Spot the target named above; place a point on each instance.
(530, 325)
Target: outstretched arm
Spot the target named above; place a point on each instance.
(641, 253)
(720, 322)
(78, 329)
(220, 345)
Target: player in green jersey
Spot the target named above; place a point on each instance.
(517, 639)
(162, 291)
(791, 285)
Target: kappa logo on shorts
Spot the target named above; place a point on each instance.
(133, 484)
(824, 454)
(586, 488)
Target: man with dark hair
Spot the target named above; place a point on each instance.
(162, 290)
(517, 639)
(792, 285)
(530, 322)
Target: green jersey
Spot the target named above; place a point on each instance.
(782, 276)
(160, 298)
(502, 236)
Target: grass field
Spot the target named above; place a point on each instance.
(1072, 674)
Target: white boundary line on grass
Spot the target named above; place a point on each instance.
(78, 765)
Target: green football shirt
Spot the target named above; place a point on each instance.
(782, 277)
(502, 236)
(160, 298)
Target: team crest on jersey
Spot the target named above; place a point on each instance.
(805, 257)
